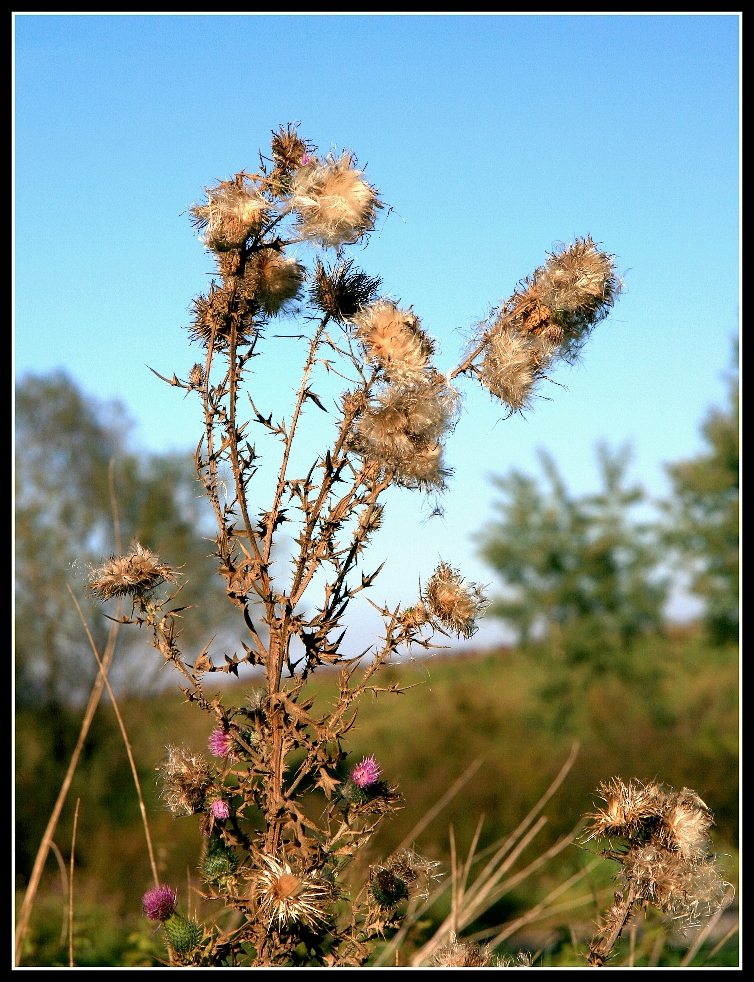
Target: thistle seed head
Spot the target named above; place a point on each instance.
(196, 376)
(562, 301)
(214, 314)
(461, 954)
(387, 888)
(186, 779)
(513, 363)
(274, 280)
(234, 212)
(342, 291)
(401, 430)
(393, 339)
(665, 845)
(289, 151)
(453, 602)
(288, 897)
(335, 205)
(579, 277)
(134, 575)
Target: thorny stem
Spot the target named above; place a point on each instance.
(466, 364)
(302, 393)
(618, 915)
(233, 438)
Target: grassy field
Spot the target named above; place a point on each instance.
(673, 718)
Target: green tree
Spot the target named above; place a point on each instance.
(579, 572)
(65, 441)
(703, 517)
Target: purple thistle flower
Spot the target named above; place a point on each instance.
(306, 159)
(220, 810)
(160, 902)
(220, 743)
(366, 773)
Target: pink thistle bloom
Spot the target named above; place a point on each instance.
(306, 159)
(160, 902)
(220, 744)
(220, 810)
(366, 773)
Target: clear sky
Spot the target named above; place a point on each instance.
(493, 138)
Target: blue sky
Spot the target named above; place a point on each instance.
(492, 137)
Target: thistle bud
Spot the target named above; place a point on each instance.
(387, 888)
(183, 935)
(220, 861)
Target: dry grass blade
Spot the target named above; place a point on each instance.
(99, 683)
(703, 933)
(70, 885)
(657, 947)
(543, 908)
(64, 884)
(46, 843)
(435, 810)
(723, 941)
(126, 741)
(487, 887)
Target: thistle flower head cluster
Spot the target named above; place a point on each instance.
(134, 575)
(288, 897)
(403, 427)
(462, 954)
(274, 280)
(266, 855)
(234, 211)
(393, 339)
(549, 317)
(453, 602)
(664, 845)
(186, 779)
(334, 204)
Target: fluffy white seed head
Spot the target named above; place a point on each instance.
(393, 339)
(274, 280)
(335, 205)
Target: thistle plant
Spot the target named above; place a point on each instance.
(280, 868)
(660, 839)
